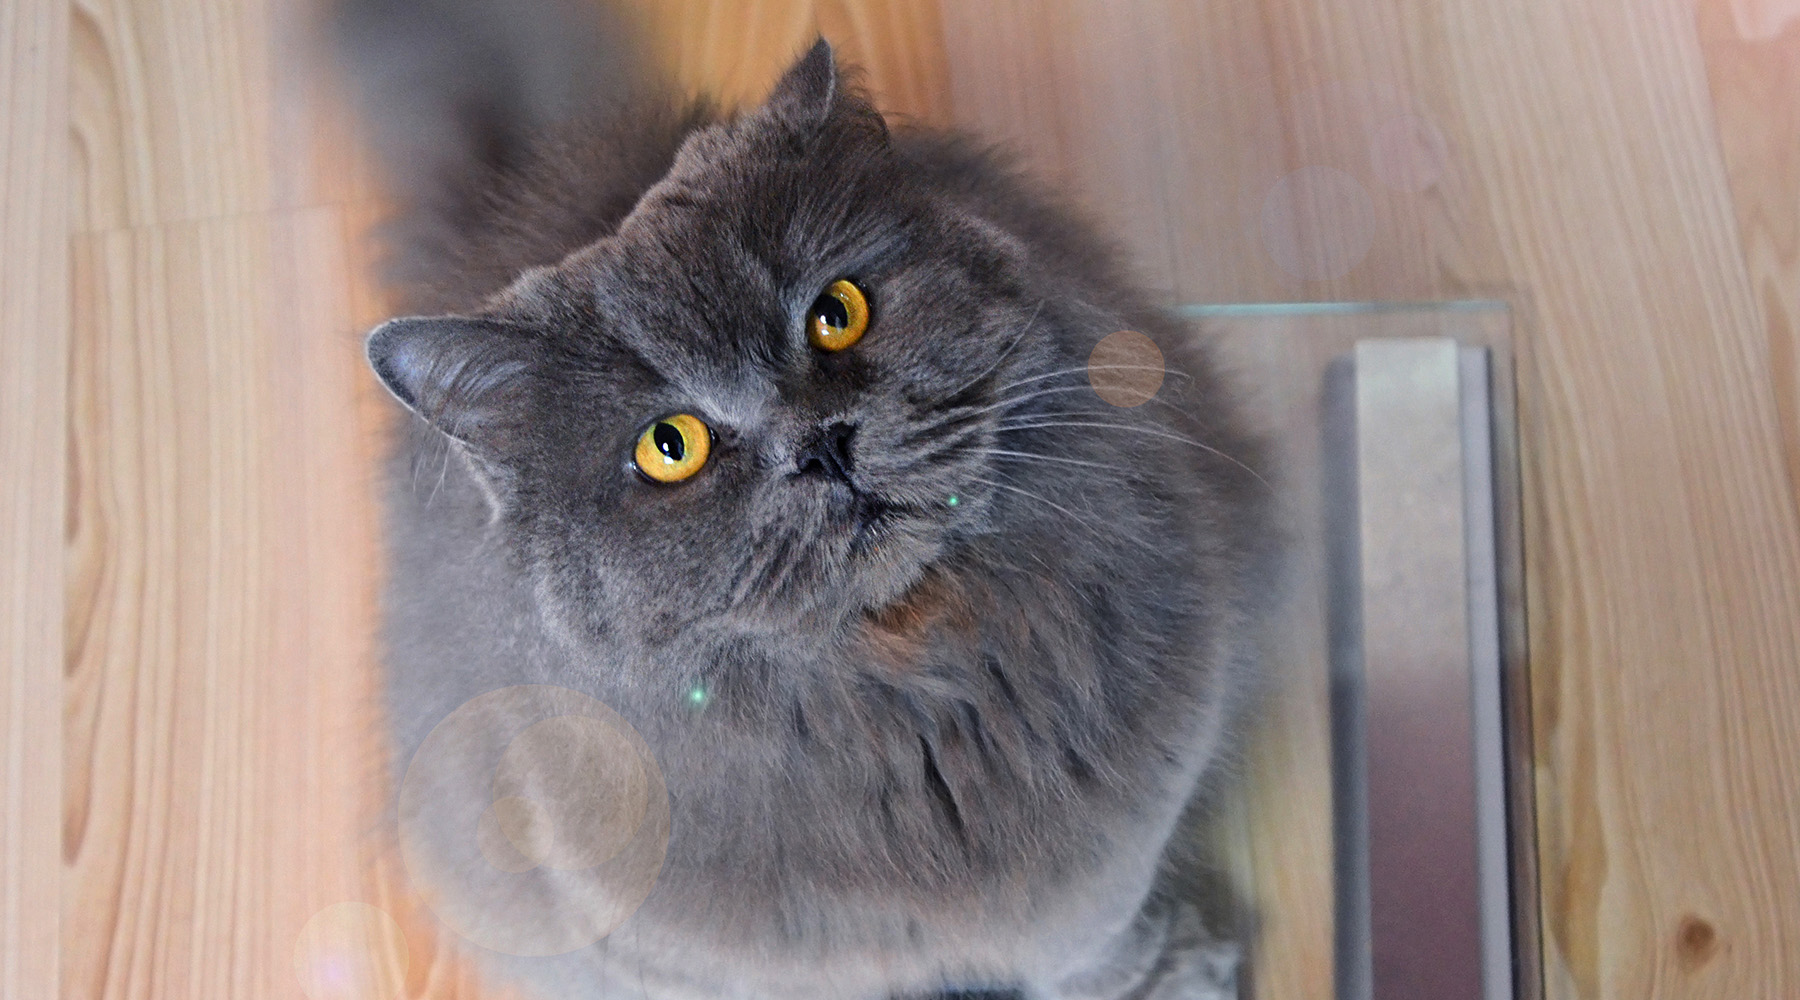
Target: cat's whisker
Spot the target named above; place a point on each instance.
(1009, 421)
(1057, 459)
(1094, 368)
(413, 467)
(1085, 522)
(1151, 431)
(944, 419)
(1005, 422)
(966, 411)
(443, 473)
(1016, 341)
(955, 436)
(1077, 518)
(1156, 400)
(1012, 401)
(1025, 397)
(1041, 376)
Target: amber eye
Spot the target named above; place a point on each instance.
(838, 317)
(673, 448)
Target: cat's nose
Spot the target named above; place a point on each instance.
(827, 452)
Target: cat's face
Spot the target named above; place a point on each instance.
(673, 448)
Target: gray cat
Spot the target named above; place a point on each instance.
(773, 433)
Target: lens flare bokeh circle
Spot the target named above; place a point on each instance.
(533, 820)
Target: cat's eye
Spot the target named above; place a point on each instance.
(838, 317)
(673, 448)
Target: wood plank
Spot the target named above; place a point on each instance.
(226, 763)
(1752, 53)
(1663, 540)
(172, 113)
(34, 283)
(223, 756)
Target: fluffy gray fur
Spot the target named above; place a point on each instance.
(945, 746)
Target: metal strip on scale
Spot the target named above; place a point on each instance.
(1423, 908)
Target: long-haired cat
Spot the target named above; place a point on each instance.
(774, 432)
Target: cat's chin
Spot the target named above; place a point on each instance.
(875, 563)
(875, 544)
(873, 522)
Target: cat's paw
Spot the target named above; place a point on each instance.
(1206, 973)
(1170, 955)
(1194, 965)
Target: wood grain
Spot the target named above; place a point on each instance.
(34, 289)
(221, 750)
(1666, 536)
(1177, 124)
(1625, 172)
(172, 111)
(1752, 57)
(736, 51)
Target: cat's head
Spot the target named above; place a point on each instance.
(769, 401)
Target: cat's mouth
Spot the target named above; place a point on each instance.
(870, 517)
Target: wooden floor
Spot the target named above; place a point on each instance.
(187, 540)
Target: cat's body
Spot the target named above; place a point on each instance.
(958, 686)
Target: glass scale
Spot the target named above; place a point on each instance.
(1379, 837)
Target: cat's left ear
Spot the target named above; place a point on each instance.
(466, 376)
(806, 92)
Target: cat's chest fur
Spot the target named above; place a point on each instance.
(887, 827)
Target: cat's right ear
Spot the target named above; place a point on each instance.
(805, 94)
(468, 377)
